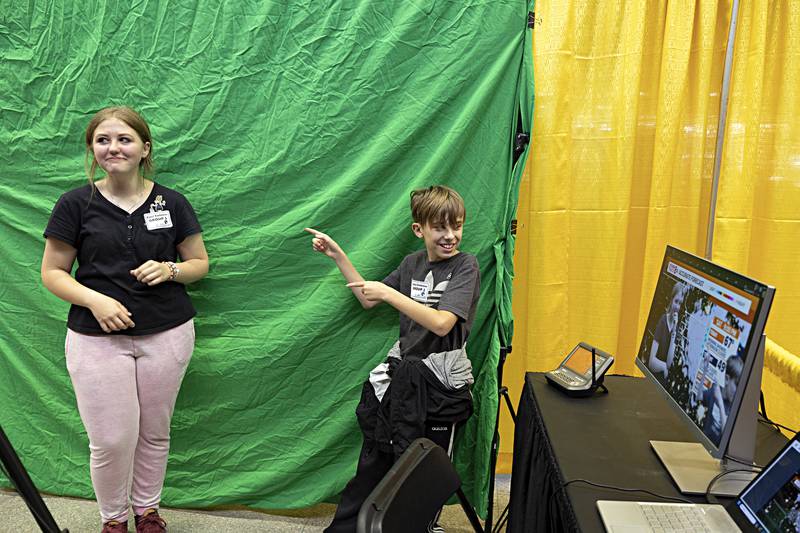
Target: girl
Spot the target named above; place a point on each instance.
(130, 327)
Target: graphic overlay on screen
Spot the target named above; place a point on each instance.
(696, 340)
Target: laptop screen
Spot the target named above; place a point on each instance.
(772, 500)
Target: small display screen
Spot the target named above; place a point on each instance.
(772, 501)
(580, 361)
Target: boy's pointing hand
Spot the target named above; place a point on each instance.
(373, 291)
(324, 244)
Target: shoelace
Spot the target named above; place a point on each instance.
(113, 527)
(151, 523)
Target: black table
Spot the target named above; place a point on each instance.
(604, 439)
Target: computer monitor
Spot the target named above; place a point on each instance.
(703, 348)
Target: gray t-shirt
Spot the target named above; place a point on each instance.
(450, 285)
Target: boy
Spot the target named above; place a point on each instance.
(422, 390)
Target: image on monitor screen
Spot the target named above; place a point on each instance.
(704, 326)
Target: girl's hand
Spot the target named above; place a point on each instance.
(152, 273)
(324, 244)
(110, 314)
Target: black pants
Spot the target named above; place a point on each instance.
(373, 464)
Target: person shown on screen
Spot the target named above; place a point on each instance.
(130, 327)
(427, 374)
(719, 399)
(662, 349)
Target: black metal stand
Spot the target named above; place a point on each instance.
(501, 392)
(22, 481)
(596, 383)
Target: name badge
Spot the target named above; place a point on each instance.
(419, 291)
(157, 220)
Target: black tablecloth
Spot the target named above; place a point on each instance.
(604, 439)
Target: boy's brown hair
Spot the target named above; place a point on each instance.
(437, 204)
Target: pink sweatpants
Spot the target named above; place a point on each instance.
(126, 388)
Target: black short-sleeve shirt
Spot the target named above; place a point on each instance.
(111, 242)
(452, 284)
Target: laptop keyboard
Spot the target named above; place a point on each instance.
(675, 518)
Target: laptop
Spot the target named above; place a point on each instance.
(770, 502)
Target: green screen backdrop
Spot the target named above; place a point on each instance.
(269, 116)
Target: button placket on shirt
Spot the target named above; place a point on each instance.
(128, 249)
(130, 230)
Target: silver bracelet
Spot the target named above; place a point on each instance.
(173, 270)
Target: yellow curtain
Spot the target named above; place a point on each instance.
(757, 224)
(627, 101)
(757, 227)
(623, 141)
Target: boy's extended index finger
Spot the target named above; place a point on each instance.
(312, 231)
(356, 284)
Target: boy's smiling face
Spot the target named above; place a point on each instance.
(441, 238)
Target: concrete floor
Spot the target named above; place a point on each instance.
(81, 516)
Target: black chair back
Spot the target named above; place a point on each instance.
(412, 492)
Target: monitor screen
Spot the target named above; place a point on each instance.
(703, 329)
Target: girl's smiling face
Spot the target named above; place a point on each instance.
(117, 148)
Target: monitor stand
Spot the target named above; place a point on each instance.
(692, 468)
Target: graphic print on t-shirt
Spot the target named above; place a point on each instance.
(425, 293)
